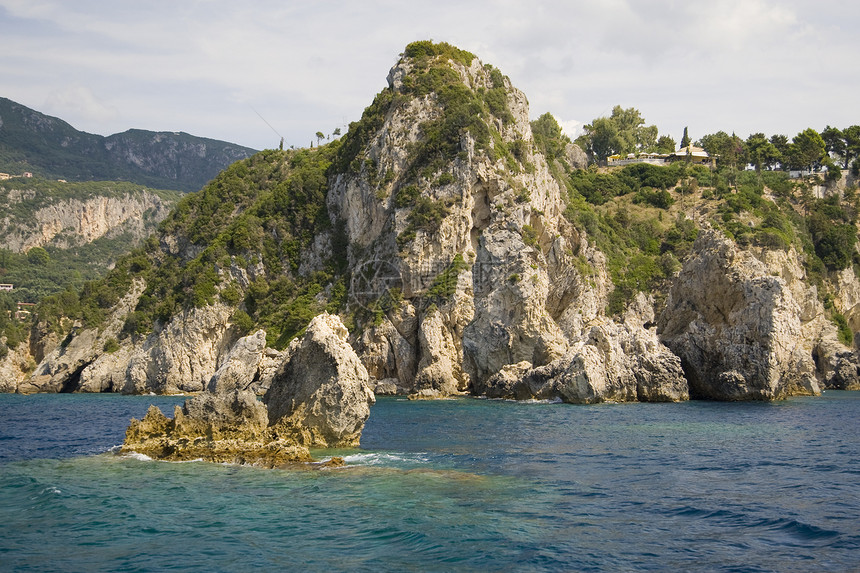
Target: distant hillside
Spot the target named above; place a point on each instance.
(51, 148)
(53, 234)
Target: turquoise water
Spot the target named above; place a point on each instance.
(457, 485)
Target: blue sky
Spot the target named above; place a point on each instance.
(208, 67)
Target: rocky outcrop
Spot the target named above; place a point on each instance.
(183, 356)
(15, 364)
(611, 362)
(80, 362)
(240, 368)
(321, 395)
(742, 331)
(497, 281)
(837, 367)
(318, 398)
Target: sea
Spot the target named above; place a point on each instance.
(450, 485)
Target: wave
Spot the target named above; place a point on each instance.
(137, 456)
(555, 400)
(793, 528)
(386, 459)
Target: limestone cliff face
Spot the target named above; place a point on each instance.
(73, 222)
(14, 366)
(68, 366)
(608, 362)
(510, 267)
(180, 357)
(745, 327)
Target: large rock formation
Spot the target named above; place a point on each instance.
(502, 287)
(319, 398)
(449, 242)
(15, 364)
(740, 330)
(321, 394)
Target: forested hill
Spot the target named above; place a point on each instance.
(51, 148)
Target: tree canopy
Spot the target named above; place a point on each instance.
(622, 132)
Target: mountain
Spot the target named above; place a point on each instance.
(467, 251)
(51, 148)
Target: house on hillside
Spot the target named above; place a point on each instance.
(6, 287)
(695, 155)
(5, 176)
(24, 310)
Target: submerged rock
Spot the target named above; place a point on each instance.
(319, 397)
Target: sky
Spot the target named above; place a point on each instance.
(252, 72)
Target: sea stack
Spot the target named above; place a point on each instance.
(319, 397)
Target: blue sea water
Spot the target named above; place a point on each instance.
(454, 485)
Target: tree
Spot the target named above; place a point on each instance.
(665, 144)
(548, 137)
(601, 139)
(622, 132)
(685, 139)
(320, 136)
(852, 144)
(834, 142)
(807, 149)
(38, 256)
(761, 152)
(783, 146)
(336, 132)
(729, 149)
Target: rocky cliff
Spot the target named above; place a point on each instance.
(34, 216)
(464, 260)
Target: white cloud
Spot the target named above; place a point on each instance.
(78, 101)
(571, 128)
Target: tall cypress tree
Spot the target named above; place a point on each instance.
(685, 141)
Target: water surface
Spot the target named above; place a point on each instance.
(455, 485)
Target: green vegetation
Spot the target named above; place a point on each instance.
(621, 211)
(12, 331)
(445, 284)
(621, 133)
(463, 110)
(258, 215)
(598, 187)
(427, 49)
(552, 143)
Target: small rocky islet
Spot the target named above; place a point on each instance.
(440, 229)
(319, 397)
